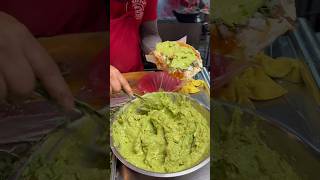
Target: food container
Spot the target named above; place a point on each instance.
(204, 110)
(298, 108)
(89, 133)
(187, 17)
(294, 148)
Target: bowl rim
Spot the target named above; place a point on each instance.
(194, 168)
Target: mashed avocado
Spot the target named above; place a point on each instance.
(233, 12)
(71, 159)
(176, 56)
(161, 135)
(239, 153)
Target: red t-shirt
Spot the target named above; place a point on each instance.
(126, 18)
(53, 17)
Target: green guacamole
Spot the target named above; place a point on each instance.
(176, 56)
(239, 153)
(232, 12)
(162, 135)
(72, 159)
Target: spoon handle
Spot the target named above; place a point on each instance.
(138, 96)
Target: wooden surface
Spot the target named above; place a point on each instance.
(134, 77)
(78, 48)
(74, 53)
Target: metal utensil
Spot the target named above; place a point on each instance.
(80, 106)
(134, 96)
(138, 96)
(83, 108)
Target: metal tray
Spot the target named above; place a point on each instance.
(297, 109)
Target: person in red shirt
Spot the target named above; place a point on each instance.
(23, 60)
(133, 28)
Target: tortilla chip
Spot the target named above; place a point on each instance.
(278, 68)
(261, 86)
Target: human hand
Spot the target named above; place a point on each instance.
(23, 60)
(118, 82)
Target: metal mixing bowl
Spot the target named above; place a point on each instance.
(202, 109)
(300, 153)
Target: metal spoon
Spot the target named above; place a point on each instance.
(134, 96)
(138, 96)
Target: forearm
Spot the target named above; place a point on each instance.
(149, 36)
(149, 42)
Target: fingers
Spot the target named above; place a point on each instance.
(124, 83)
(49, 74)
(118, 82)
(16, 74)
(22, 59)
(115, 83)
